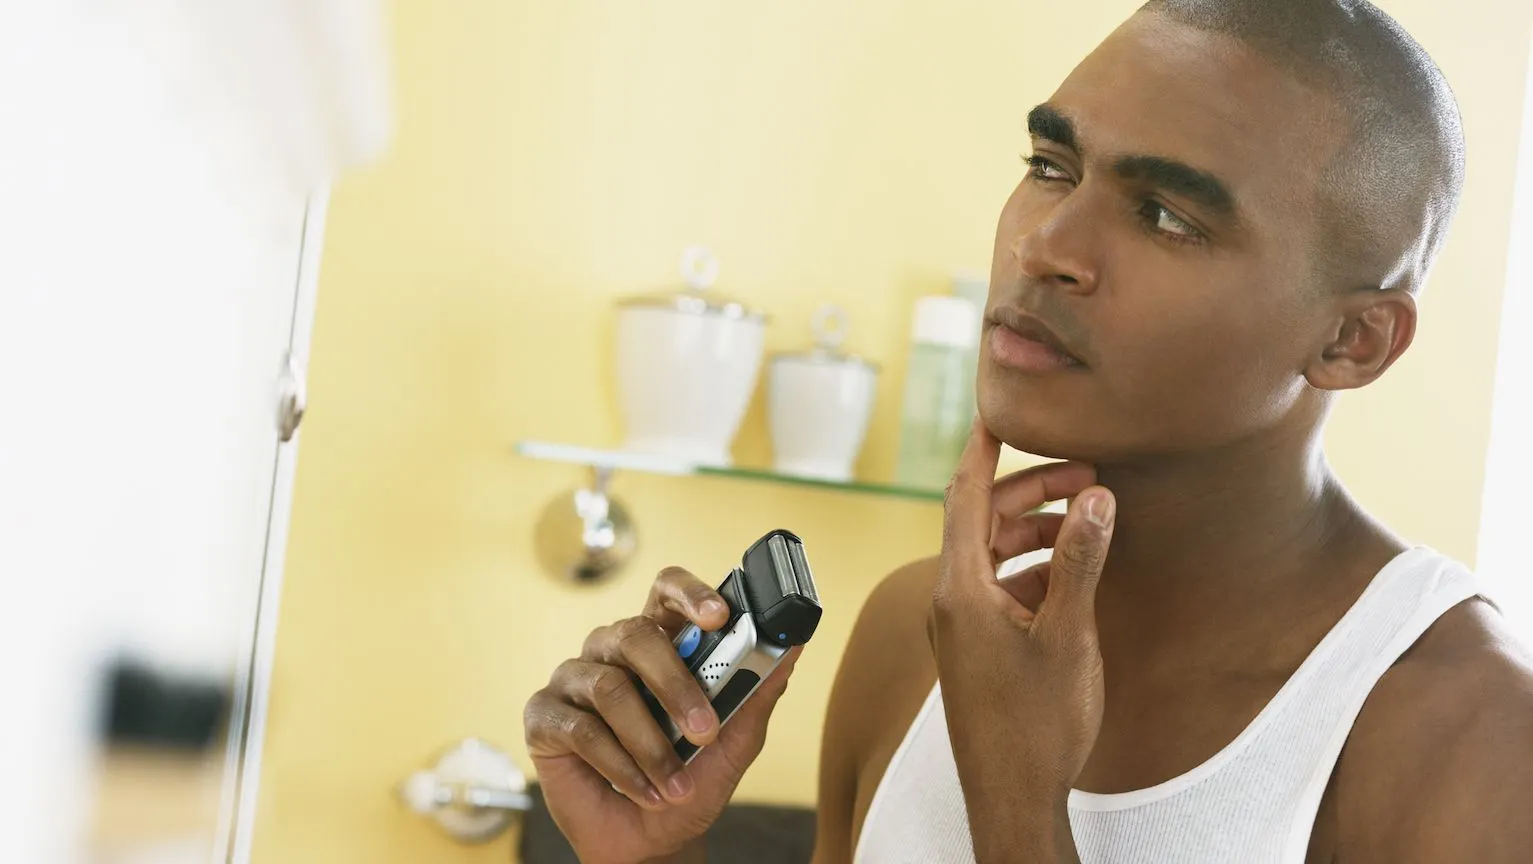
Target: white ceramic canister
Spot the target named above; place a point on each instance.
(686, 367)
(819, 404)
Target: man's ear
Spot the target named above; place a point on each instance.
(1369, 332)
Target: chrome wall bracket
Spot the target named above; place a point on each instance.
(473, 792)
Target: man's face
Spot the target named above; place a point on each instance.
(1165, 234)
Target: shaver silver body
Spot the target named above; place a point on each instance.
(773, 606)
(729, 675)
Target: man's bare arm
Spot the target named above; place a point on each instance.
(838, 769)
(883, 678)
(1439, 766)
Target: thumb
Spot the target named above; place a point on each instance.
(1079, 555)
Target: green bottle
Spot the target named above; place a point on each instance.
(938, 404)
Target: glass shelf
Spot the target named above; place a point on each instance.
(617, 460)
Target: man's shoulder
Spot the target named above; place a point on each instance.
(902, 597)
(888, 649)
(1466, 666)
(888, 664)
(1444, 738)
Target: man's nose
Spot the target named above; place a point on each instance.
(1060, 250)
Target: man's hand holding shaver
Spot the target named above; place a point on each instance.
(1018, 659)
(612, 780)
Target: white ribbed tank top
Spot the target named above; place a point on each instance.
(1253, 801)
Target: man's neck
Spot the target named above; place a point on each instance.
(1212, 546)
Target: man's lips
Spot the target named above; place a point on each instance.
(1023, 342)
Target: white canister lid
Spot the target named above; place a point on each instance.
(829, 326)
(699, 270)
(943, 319)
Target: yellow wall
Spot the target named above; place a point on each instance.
(553, 156)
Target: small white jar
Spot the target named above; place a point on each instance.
(686, 367)
(819, 404)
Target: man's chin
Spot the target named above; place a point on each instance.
(1041, 435)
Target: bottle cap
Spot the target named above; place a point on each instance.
(699, 270)
(942, 319)
(972, 286)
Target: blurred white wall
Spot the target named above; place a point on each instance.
(154, 163)
(1503, 552)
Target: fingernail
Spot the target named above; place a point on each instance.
(652, 797)
(699, 720)
(713, 607)
(680, 785)
(1099, 510)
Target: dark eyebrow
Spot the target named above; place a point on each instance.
(1200, 186)
(1049, 123)
(1045, 121)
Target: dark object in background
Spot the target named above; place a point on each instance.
(744, 834)
(151, 708)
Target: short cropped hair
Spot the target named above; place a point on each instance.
(1391, 190)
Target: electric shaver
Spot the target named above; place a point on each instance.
(773, 605)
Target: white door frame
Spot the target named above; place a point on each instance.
(252, 694)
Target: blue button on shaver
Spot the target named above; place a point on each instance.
(689, 640)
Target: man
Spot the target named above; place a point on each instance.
(1229, 211)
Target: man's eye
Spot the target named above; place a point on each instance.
(1040, 168)
(1167, 222)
